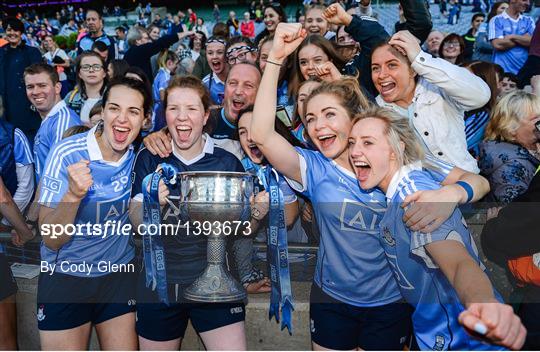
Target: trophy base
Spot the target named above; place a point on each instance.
(215, 285)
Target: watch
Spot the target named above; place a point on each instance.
(255, 213)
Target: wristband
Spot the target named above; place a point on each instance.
(273, 63)
(467, 187)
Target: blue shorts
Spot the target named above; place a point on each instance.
(159, 322)
(8, 285)
(340, 326)
(67, 301)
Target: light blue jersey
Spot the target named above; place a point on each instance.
(21, 149)
(437, 305)
(351, 265)
(502, 25)
(215, 86)
(59, 119)
(160, 84)
(107, 200)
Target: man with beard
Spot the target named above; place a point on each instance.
(240, 91)
(94, 23)
(14, 58)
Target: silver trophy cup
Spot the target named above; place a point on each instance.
(219, 198)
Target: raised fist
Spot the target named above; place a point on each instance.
(287, 38)
(79, 178)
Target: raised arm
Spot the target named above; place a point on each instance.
(279, 152)
(463, 88)
(418, 18)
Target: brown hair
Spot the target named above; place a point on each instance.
(456, 37)
(80, 82)
(488, 72)
(36, 69)
(190, 82)
(347, 91)
(326, 46)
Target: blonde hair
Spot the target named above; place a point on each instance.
(508, 114)
(165, 56)
(398, 130)
(346, 90)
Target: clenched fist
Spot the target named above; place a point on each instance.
(336, 14)
(79, 178)
(287, 38)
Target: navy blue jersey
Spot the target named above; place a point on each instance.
(185, 254)
(422, 284)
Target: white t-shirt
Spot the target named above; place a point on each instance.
(85, 110)
(60, 53)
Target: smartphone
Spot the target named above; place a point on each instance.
(283, 115)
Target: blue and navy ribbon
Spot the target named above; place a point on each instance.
(154, 253)
(278, 256)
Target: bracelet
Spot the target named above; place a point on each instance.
(467, 187)
(273, 63)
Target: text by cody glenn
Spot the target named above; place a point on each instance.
(85, 268)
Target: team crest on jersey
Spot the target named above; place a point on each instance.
(52, 184)
(40, 315)
(387, 236)
(439, 343)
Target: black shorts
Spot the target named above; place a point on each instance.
(67, 301)
(340, 326)
(8, 285)
(159, 322)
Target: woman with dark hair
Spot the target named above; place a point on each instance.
(316, 57)
(91, 76)
(197, 43)
(452, 49)
(94, 176)
(117, 68)
(273, 14)
(477, 120)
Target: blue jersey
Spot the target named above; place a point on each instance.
(160, 84)
(185, 253)
(215, 86)
(436, 303)
(351, 265)
(21, 149)
(511, 60)
(106, 201)
(59, 119)
(223, 129)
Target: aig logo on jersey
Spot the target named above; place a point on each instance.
(387, 236)
(112, 209)
(51, 184)
(359, 217)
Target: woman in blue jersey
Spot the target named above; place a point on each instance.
(438, 272)
(355, 301)
(161, 326)
(85, 190)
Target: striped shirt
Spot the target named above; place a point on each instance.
(53, 126)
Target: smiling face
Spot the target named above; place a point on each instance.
(154, 33)
(451, 49)
(123, 117)
(13, 37)
(186, 118)
(373, 159)
(249, 147)
(271, 19)
(240, 89)
(215, 54)
(527, 135)
(41, 92)
(315, 22)
(328, 125)
(433, 41)
(309, 57)
(392, 77)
